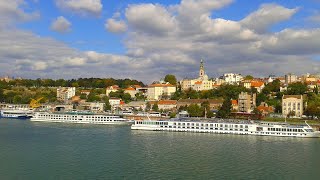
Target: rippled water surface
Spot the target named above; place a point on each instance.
(30, 150)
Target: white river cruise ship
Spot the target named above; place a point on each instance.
(16, 113)
(79, 117)
(242, 127)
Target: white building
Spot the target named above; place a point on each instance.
(113, 88)
(114, 102)
(231, 78)
(65, 93)
(292, 103)
(97, 107)
(157, 91)
(290, 78)
(199, 84)
(132, 90)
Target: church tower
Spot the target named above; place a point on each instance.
(201, 71)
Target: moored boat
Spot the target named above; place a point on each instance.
(16, 113)
(79, 117)
(241, 127)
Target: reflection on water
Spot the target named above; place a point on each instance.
(32, 150)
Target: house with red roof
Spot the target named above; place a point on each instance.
(167, 104)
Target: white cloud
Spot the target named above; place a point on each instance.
(314, 18)
(81, 7)
(11, 12)
(150, 18)
(61, 25)
(293, 42)
(266, 16)
(115, 26)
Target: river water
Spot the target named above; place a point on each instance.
(30, 150)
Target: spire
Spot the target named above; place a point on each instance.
(201, 71)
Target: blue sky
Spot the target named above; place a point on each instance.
(132, 38)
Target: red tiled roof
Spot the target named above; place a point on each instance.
(130, 89)
(137, 86)
(161, 85)
(256, 83)
(234, 102)
(167, 102)
(265, 108)
(198, 82)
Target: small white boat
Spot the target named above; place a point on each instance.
(16, 113)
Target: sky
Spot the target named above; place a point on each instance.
(147, 39)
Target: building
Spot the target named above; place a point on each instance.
(114, 102)
(133, 90)
(92, 106)
(231, 78)
(138, 105)
(246, 102)
(199, 84)
(234, 105)
(292, 104)
(290, 78)
(213, 103)
(258, 85)
(65, 93)
(167, 104)
(158, 91)
(86, 92)
(6, 79)
(113, 88)
(265, 109)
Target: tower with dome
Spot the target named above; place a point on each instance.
(199, 84)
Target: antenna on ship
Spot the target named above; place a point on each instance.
(307, 124)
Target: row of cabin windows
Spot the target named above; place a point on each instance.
(64, 116)
(211, 128)
(215, 125)
(151, 123)
(285, 130)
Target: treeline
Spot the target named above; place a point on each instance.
(81, 82)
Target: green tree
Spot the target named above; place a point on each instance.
(148, 106)
(290, 114)
(93, 97)
(257, 113)
(194, 110)
(83, 96)
(225, 109)
(192, 94)
(206, 109)
(172, 114)
(140, 97)
(17, 99)
(297, 88)
(261, 97)
(107, 105)
(316, 90)
(248, 77)
(2, 97)
(155, 107)
(170, 79)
